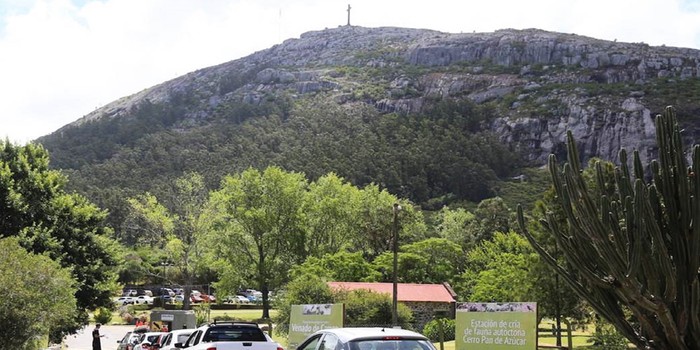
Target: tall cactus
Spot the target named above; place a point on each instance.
(635, 251)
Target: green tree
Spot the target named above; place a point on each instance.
(376, 225)
(491, 215)
(177, 231)
(498, 270)
(260, 223)
(331, 209)
(35, 207)
(452, 224)
(434, 260)
(445, 259)
(38, 295)
(636, 250)
(341, 266)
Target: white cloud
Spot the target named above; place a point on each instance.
(61, 59)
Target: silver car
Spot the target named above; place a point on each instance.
(366, 339)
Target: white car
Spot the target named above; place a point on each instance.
(229, 336)
(175, 336)
(143, 300)
(236, 299)
(148, 339)
(366, 338)
(123, 301)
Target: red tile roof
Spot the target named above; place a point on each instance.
(406, 291)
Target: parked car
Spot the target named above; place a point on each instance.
(196, 298)
(148, 340)
(236, 299)
(121, 301)
(167, 298)
(175, 336)
(130, 293)
(129, 340)
(377, 338)
(179, 298)
(229, 336)
(143, 300)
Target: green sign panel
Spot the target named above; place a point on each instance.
(496, 326)
(309, 318)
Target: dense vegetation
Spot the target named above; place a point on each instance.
(437, 158)
(60, 226)
(246, 181)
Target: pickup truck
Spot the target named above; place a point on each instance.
(229, 336)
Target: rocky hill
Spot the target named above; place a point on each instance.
(551, 82)
(527, 86)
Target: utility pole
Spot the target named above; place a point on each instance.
(395, 248)
(349, 14)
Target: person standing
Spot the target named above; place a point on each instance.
(96, 343)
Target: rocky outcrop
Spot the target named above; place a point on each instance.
(532, 77)
(599, 132)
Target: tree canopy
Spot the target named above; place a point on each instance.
(38, 295)
(35, 208)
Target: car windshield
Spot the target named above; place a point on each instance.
(233, 333)
(391, 344)
(153, 338)
(182, 337)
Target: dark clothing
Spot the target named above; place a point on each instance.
(96, 345)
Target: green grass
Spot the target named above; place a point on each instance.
(579, 342)
(241, 314)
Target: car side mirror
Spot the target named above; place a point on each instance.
(179, 345)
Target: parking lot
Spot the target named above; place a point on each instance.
(83, 340)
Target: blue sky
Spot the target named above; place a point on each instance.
(61, 59)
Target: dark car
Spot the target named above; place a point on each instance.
(367, 339)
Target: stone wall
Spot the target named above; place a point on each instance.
(424, 312)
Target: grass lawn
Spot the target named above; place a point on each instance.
(241, 314)
(579, 342)
(238, 314)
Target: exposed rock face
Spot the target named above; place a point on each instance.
(598, 132)
(533, 77)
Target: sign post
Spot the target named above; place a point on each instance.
(496, 326)
(309, 318)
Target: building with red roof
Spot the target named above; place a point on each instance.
(425, 300)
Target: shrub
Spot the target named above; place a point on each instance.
(201, 313)
(102, 315)
(367, 308)
(432, 329)
(226, 317)
(606, 337)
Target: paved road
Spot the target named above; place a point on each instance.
(83, 340)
